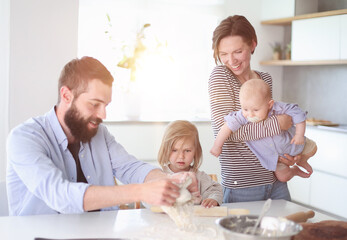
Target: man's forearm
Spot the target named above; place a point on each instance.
(97, 197)
(155, 174)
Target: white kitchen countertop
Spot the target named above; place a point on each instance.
(342, 128)
(129, 224)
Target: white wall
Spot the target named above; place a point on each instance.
(43, 37)
(4, 78)
(143, 141)
(251, 9)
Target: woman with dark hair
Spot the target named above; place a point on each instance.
(243, 177)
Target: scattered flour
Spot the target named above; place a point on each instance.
(181, 214)
(182, 210)
(201, 232)
(189, 227)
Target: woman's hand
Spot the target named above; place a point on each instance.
(285, 121)
(289, 160)
(301, 161)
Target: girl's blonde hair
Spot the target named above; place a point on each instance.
(174, 132)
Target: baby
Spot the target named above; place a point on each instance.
(257, 105)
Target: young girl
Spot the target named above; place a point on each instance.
(180, 150)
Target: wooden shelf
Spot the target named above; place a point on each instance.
(288, 21)
(302, 63)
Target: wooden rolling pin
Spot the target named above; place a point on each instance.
(300, 217)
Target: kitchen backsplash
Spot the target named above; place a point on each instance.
(320, 90)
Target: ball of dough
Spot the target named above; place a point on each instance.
(185, 196)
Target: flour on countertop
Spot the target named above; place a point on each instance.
(188, 226)
(182, 210)
(200, 231)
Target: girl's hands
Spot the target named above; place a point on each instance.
(208, 202)
(163, 189)
(180, 178)
(192, 188)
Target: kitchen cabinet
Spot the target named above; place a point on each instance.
(331, 156)
(146, 145)
(274, 9)
(300, 189)
(328, 192)
(326, 188)
(343, 45)
(284, 8)
(317, 39)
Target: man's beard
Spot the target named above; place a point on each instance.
(79, 126)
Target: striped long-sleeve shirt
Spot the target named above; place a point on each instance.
(240, 168)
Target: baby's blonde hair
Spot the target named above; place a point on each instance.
(256, 87)
(175, 131)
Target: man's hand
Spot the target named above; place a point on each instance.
(285, 121)
(181, 178)
(159, 192)
(164, 191)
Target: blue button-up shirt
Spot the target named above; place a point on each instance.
(41, 171)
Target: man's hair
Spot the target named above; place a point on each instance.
(233, 26)
(175, 131)
(78, 72)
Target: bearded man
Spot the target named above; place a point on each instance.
(66, 160)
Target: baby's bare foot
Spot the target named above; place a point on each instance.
(300, 173)
(303, 161)
(306, 166)
(306, 156)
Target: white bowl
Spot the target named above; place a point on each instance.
(271, 228)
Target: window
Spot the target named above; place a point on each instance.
(171, 82)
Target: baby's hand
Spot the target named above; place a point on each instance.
(208, 202)
(298, 140)
(216, 151)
